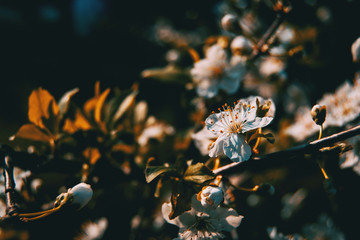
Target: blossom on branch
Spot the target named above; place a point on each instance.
(216, 72)
(233, 123)
(203, 223)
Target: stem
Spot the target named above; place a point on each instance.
(311, 147)
(11, 208)
(280, 16)
(320, 132)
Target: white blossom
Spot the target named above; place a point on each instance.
(203, 223)
(154, 129)
(342, 107)
(231, 124)
(215, 72)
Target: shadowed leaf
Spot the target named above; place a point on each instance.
(198, 173)
(32, 132)
(154, 171)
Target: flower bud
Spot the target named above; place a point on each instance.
(210, 196)
(241, 45)
(81, 194)
(229, 22)
(318, 114)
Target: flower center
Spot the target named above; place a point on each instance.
(231, 119)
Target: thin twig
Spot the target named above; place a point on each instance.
(11, 208)
(307, 148)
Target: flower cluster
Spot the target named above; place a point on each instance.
(206, 219)
(231, 124)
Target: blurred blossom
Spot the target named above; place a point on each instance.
(295, 96)
(154, 129)
(241, 44)
(140, 112)
(355, 50)
(93, 230)
(275, 235)
(351, 159)
(203, 223)
(271, 65)
(229, 22)
(203, 139)
(20, 176)
(250, 24)
(164, 32)
(324, 14)
(285, 34)
(342, 107)
(292, 203)
(324, 228)
(215, 72)
(231, 124)
(86, 14)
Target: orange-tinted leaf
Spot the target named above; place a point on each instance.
(80, 123)
(41, 106)
(32, 132)
(100, 104)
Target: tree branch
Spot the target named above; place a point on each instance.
(307, 148)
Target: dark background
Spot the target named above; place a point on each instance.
(41, 44)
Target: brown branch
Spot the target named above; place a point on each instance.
(11, 208)
(280, 17)
(307, 148)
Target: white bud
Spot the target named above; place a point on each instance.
(241, 44)
(211, 196)
(228, 22)
(81, 194)
(355, 50)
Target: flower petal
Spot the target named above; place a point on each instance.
(226, 219)
(236, 148)
(256, 123)
(217, 148)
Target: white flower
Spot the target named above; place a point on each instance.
(342, 107)
(215, 72)
(203, 223)
(351, 158)
(210, 196)
(81, 194)
(93, 230)
(154, 129)
(241, 44)
(275, 235)
(231, 124)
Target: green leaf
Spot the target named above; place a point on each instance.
(152, 172)
(198, 173)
